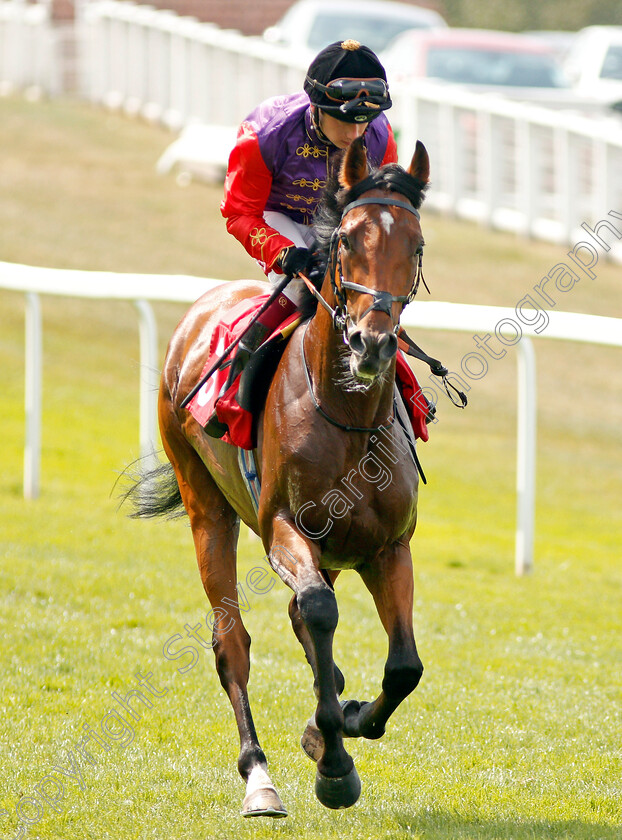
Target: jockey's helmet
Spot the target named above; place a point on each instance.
(347, 80)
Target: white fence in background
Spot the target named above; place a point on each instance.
(177, 70)
(509, 165)
(27, 48)
(424, 315)
(514, 166)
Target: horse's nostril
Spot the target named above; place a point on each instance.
(357, 343)
(365, 344)
(387, 346)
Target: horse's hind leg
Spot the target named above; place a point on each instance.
(215, 529)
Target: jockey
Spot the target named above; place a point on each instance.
(278, 169)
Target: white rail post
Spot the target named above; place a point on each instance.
(32, 449)
(525, 457)
(149, 378)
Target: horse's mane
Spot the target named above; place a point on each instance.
(390, 178)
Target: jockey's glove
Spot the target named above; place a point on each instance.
(293, 260)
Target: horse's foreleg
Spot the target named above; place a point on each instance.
(312, 741)
(303, 636)
(390, 582)
(215, 531)
(296, 559)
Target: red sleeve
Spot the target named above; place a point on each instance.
(390, 153)
(247, 189)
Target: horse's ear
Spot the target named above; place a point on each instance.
(354, 165)
(420, 164)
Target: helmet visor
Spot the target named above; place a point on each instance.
(345, 90)
(355, 100)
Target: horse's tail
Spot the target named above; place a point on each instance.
(152, 491)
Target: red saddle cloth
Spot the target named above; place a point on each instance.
(240, 421)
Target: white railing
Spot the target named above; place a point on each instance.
(27, 55)
(177, 70)
(446, 316)
(510, 165)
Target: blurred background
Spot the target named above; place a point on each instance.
(520, 102)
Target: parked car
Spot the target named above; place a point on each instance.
(482, 59)
(558, 40)
(594, 63)
(313, 24)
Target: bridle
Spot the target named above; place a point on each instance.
(382, 300)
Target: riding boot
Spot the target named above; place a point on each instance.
(275, 314)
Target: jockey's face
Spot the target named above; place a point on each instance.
(340, 133)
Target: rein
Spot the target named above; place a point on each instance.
(384, 427)
(319, 408)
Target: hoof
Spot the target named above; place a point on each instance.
(312, 741)
(261, 798)
(341, 792)
(264, 802)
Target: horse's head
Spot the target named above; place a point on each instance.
(376, 252)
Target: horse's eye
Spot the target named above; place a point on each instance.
(419, 251)
(345, 241)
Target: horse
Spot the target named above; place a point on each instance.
(330, 413)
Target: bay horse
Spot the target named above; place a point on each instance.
(330, 409)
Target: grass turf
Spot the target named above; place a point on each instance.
(514, 731)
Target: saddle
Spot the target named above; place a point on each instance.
(240, 405)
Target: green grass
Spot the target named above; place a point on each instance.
(514, 731)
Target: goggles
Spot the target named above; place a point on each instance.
(346, 90)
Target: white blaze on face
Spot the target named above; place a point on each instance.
(386, 220)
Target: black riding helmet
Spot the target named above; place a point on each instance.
(347, 80)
